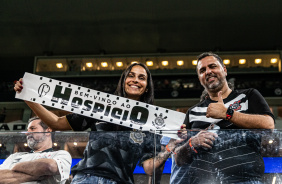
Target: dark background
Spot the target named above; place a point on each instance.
(31, 28)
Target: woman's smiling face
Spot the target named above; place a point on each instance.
(136, 82)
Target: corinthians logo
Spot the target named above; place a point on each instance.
(137, 137)
(159, 121)
(43, 89)
(236, 105)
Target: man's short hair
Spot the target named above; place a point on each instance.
(41, 123)
(206, 54)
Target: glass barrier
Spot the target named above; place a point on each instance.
(224, 156)
(234, 156)
(114, 155)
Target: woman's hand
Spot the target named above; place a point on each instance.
(18, 85)
(182, 133)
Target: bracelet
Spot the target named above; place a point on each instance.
(191, 146)
(169, 150)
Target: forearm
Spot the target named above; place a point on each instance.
(183, 154)
(39, 167)
(12, 177)
(154, 164)
(52, 120)
(252, 121)
(242, 120)
(158, 162)
(202, 139)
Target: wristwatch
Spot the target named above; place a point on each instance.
(229, 113)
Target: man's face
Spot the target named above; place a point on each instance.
(211, 73)
(33, 139)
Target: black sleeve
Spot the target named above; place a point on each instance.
(257, 104)
(80, 123)
(151, 149)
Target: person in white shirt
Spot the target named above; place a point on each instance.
(42, 164)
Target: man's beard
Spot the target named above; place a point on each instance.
(215, 86)
(32, 142)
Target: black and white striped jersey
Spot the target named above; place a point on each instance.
(248, 101)
(235, 155)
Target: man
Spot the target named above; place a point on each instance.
(42, 164)
(231, 156)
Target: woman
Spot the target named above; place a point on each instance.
(109, 157)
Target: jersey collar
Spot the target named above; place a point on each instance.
(47, 150)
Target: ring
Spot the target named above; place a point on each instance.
(205, 140)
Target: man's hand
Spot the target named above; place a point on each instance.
(38, 167)
(203, 139)
(173, 143)
(217, 110)
(11, 177)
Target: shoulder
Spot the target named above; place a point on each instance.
(62, 154)
(19, 154)
(16, 155)
(246, 91)
(75, 118)
(250, 93)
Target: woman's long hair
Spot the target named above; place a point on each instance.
(148, 96)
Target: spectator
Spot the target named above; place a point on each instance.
(42, 164)
(110, 157)
(224, 156)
